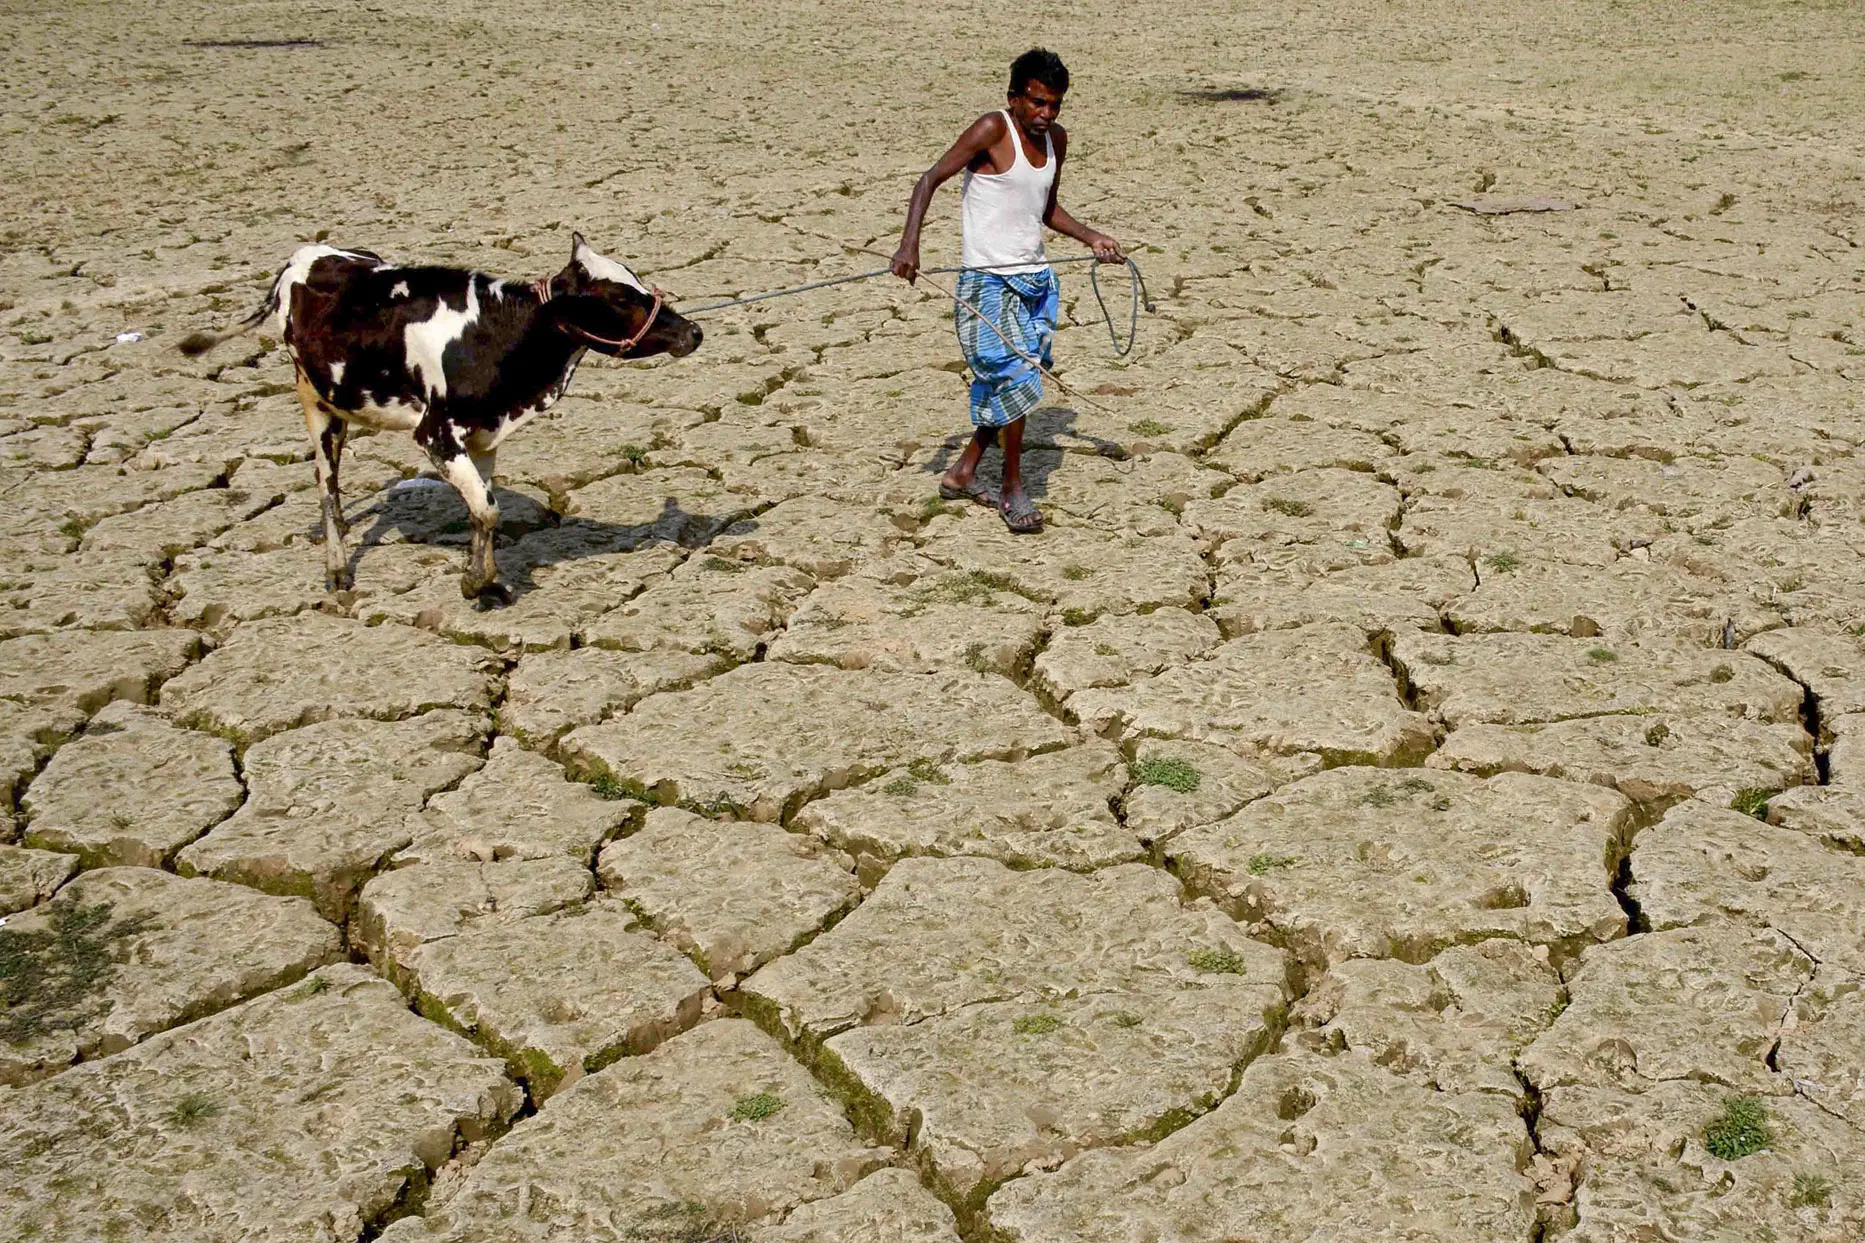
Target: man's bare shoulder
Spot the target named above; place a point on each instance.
(991, 127)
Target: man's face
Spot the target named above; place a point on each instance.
(1035, 108)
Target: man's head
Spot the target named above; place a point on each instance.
(1038, 80)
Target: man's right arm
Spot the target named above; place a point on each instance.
(983, 133)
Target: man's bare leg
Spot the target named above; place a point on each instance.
(959, 477)
(1015, 503)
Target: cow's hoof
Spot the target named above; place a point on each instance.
(493, 595)
(338, 580)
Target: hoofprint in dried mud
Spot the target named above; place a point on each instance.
(1414, 788)
(460, 359)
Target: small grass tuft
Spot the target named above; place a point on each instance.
(928, 771)
(1416, 785)
(1036, 1024)
(1752, 801)
(634, 453)
(936, 506)
(1171, 772)
(1742, 1128)
(756, 1108)
(975, 587)
(722, 566)
(1218, 962)
(1125, 1018)
(1148, 427)
(1283, 505)
(1602, 655)
(1076, 617)
(1504, 562)
(608, 786)
(1264, 864)
(1106, 649)
(1378, 796)
(1075, 573)
(901, 787)
(192, 1110)
(1811, 1191)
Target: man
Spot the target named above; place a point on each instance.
(1012, 161)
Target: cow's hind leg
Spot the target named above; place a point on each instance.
(485, 464)
(450, 457)
(327, 434)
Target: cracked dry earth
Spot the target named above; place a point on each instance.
(1415, 790)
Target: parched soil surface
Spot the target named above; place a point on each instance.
(1415, 789)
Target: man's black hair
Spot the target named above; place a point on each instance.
(1038, 65)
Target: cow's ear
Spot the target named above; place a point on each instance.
(577, 245)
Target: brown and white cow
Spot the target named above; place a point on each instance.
(459, 358)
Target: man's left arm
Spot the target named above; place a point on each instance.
(1105, 248)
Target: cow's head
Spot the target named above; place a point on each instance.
(607, 307)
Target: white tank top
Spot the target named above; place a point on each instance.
(1003, 212)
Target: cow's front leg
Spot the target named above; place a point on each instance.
(446, 448)
(327, 433)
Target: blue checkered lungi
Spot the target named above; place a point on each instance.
(1024, 306)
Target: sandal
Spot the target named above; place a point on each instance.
(1021, 517)
(973, 491)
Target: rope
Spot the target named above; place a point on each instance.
(1136, 285)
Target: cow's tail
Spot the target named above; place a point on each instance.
(201, 342)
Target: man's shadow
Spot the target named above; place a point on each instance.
(536, 539)
(1050, 436)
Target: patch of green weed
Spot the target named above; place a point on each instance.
(934, 506)
(1218, 962)
(1504, 562)
(1283, 505)
(928, 771)
(609, 786)
(54, 979)
(1811, 1191)
(1170, 771)
(1752, 801)
(756, 1108)
(1148, 427)
(1602, 655)
(1742, 1128)
(1035, 1024)
(1264, 864)
(192, 1110)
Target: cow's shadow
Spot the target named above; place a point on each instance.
(530, 537)
(1049, 438)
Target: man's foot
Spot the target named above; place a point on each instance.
(1019, 515)
(969, 491)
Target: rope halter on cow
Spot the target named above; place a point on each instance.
(542, 288)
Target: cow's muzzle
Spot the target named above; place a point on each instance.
(686, 340)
